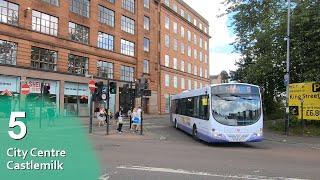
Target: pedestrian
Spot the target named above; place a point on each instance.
(134, 119)
(139, 112)
(120, 120)
(129, 114)
(102, 116)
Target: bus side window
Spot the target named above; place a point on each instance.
(204, 107)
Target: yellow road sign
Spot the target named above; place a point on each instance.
(309, 94)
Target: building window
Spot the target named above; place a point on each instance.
(8, 52)
(146, 3)
(182, 65)
(146, 24)
(167, 40)
(127, 24)
(175, 82)
(167, 80)
(44, 23)
(80, 7)
(201, 43)
(195, 85)
(189, 51)
(52, 2)
(183, 83)
(195, 41)
(189, 68)
(146, 67)
(201, 56)
(189, 17)
(205, 30)
(106, 16)
(182, 48)
(167, 23)
(195, 70)
(195, 54)
(182, 31)
(206, 45)
(200, 26)
(127, 47)
(77, 64)
(166, 2)
(175, 8)
(189, 35)
(111, 1)
(146, 44)
(44, 59)
(128, 5)
(175, 45)
(182, 12)
(201, 72)
(167, 60)
(189, 84)
(175, 63)
(105, 69)
(127, 73)
(206, 73)
(79, 33)
(9, 12)
(206, 58)
(175, 27)
(195, 22)
(105, 41)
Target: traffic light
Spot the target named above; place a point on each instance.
(45, 89)
(113, 88)
(146, 84)
(98, 91)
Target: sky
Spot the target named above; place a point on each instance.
(221, 56)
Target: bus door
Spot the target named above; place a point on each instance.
(204, 113)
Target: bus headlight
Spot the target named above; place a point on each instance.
(216, 133)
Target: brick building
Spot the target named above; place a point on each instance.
(63, 43)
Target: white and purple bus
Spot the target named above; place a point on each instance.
(229, 112)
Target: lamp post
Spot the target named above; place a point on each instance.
(287, 76)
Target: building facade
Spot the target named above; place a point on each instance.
(184, 50)
(65, 43)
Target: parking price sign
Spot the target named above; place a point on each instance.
(309, 94)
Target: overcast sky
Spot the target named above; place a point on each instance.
(221, 56)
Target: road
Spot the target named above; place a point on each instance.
(166, 153)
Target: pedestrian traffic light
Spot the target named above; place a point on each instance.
(113, 88)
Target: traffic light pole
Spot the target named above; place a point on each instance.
(90, 114)
(141, 126)
(108, 98)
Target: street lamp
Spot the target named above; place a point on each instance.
(287, 76)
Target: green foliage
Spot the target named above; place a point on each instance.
(261, 30)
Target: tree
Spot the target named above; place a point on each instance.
(260, 27)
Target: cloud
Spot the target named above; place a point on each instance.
(221, 56)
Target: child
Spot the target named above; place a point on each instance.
(134, 119)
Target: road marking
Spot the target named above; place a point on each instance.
(104, 177)
(318, 148)
(186, 172)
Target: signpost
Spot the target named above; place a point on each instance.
(25, 89)
(310, 94)
(92, 88)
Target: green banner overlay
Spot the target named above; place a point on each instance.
(54, 147)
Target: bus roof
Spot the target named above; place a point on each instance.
(204, 90)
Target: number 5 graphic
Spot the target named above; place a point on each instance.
(13, 123)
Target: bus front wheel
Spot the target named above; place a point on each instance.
(195, 132)
(175, 124)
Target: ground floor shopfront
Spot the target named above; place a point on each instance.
(69, 94)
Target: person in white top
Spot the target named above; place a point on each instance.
(134, 119)
(139, 111)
